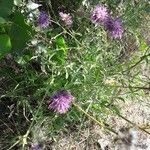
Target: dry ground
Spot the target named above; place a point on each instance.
(95, 138)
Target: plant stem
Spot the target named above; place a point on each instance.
(142, 58)
(131, 87)
(142, 129)
(14, 144)
(102, 124)
(133, 123)
(30, 127)
(65, 31)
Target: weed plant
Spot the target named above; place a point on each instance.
(68, 53)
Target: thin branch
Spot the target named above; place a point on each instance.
(132, 87)
(24, 137)
(28, 131)
(127, 120)
(14, 144)
(102, 124)
(142, 129)
(142, 58)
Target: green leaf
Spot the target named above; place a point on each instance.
(19, 37)
(20, 32)
(17, 2)
(61, 50)
(19, 19)
(2, 20)
(20, 60)
(60, 43)
(143, 45)
(6, 7)
(26, 57)
(5, 45)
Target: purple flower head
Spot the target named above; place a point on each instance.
(66, 18)
(43, 19)
(60, 101)
(35, 147)
(99, 14)
(114, 27)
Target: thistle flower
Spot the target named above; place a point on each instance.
(66, 18)
(114, 27)
(60, 101)
(35, 147)
(99, 14)
(43, 19)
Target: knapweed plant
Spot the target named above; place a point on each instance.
(62, 62)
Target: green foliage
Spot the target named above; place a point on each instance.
(20, 32)
(5, 45)
(2, 21)
(61, 50)
(5, 41)
(17, 2)
(69, 5)
(83, 59)
(5, 8)
(19, 37)
(16, 28)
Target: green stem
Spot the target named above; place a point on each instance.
(65, 31)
